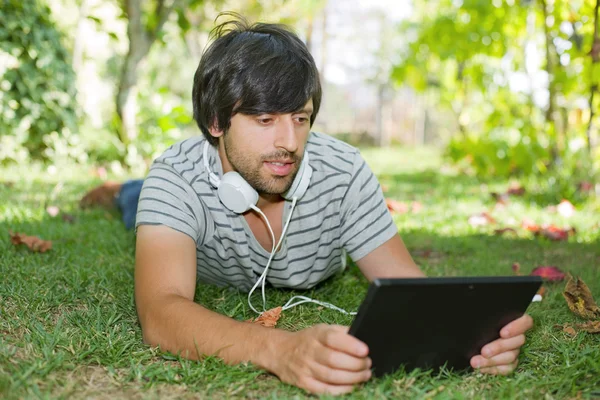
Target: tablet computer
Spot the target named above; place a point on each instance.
(431, 322)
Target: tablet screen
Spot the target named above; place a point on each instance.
(430, 322)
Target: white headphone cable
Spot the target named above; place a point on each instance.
(273, 251)
(262, 279)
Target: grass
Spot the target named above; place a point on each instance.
(68, 327)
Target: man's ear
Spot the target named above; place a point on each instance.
(215, 131)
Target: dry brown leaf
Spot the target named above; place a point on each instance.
(505, 230)
(268, 318)
(580, 299)
(590, 326)
(33, 242)
(569, 330)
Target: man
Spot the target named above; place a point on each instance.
(256, 94)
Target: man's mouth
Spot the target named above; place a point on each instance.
(281, 168)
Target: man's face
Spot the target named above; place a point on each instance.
(267, 149)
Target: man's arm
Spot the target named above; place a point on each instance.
(392, 260)
(320, 359)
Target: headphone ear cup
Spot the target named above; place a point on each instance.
(301, 181)
(236, 194)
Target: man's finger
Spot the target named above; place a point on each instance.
(499, 346)
(340, 360)
(517, 327)
(317, 387)
(506, 358)
(337, 339)
(500, 369)
(339, 376)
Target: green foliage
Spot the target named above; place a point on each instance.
(37, 100)
(471, 53)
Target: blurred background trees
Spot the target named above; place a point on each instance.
(504, 87)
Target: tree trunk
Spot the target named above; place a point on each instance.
(595, 55)
(551, 85)
(140, 41)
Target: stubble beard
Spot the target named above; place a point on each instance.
(250, 169)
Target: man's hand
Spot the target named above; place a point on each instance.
(322, 359)
(501, 356)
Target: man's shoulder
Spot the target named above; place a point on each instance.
(327, 152)
(183, 156)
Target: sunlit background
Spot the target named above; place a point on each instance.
(502, 88)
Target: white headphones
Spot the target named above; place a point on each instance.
(238, 196)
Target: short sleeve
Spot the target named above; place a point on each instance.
(167, 199)
(366, 221)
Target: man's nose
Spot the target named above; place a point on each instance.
(286, 135)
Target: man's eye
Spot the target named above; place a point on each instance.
(302, 120)
(264, 121)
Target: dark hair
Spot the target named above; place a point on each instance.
(252, 69)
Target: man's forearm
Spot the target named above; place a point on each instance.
(181, 326)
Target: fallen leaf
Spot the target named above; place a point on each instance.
(268, 318)
(580, 299)
(505, 230)
(33, 242)
(52, 211)
(68, 218)
(102, 195)
(550, 273)
(530, 225)
(565, 208)
(590, 326)
(541, 290)
(569, 330)
(501, 198)
(555, 233)
(481, 219)
(516, 267)
(516, 189)
(396, 206)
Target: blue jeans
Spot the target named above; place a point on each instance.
(127, 201)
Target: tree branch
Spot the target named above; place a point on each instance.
(595, 55)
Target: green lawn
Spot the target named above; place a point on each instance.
(68, 327)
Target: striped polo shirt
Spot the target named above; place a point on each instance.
(343, 212)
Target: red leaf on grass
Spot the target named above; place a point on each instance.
(33, 242)
(549, 273)
(516, 267)
(553, 232)
(590, 326)
(268, 318)
(481, 219)
(530, 225)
